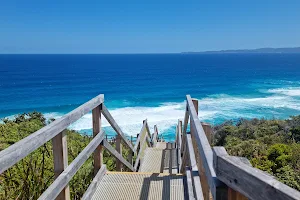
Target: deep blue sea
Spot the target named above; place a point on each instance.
(152, 86)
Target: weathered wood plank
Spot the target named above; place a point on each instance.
(63, 179)
(116, 127)
(185, 125)
(98, 154)
(203, 145)
(183, 161)
(234, 195)
(221, 192)
(189, 183)
(139, 138)
(194, 168)
(130, 157)
(208, 131)
(138, 157)
(119, 150)
(249, 181)
(203, 178)
(155, 135)
(93, 186)
(179, 140)
(186, 120)
(148, 130)
(117, 155)
(148, 140)
(17, 151)
(60, 158)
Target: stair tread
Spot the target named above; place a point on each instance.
(140, 186)
(160, 160)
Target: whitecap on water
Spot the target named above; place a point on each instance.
(211, 109)
(292, 91)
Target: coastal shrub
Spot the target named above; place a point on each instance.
(30, 177)
(270, 145)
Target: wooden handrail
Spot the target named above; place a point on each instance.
(116, 127)
(186, 120)
(226, 176)
(203, 145)
(140, 135)
(63, 179)
(251, 182)
(117, 155)
(185, 125)
(148, 130)
(179, 141)
(194, 167)
(155, 135)
(19, 150)
(93, 186)
(136, 164)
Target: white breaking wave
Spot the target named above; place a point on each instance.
(292, 91)
(130, 119)
(211, 109)
(227, 103)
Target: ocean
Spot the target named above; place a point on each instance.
(152, 86)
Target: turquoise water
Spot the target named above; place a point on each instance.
(136, 87)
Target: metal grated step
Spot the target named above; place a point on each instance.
(140, 186)
(161, 145)
(159, 160)
(152, 160)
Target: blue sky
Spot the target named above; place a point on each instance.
(154, 26)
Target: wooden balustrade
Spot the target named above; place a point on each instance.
(98, 154)
(155, 136)
(210, 172)
(116, 127)
(179, 141)
(143, 141)
(222, 176)
(57, 132)
(60, 159)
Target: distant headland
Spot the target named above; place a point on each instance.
(260, 50)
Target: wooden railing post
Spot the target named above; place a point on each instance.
(221, 192)
(98, 153)
(119, 150)
(179, 142)
(130, 153)
(208, 132)
(60, 158)
(203, 178)
(233, 194)
(224, 192)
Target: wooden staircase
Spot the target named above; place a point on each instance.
(160, 159)
(189, 168)
(158, 178)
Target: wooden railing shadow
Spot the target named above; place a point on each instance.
(166, 189)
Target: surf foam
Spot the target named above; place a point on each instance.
(293, 92)
(213, 109)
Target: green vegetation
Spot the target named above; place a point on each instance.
(30, 177)
(270, 145)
